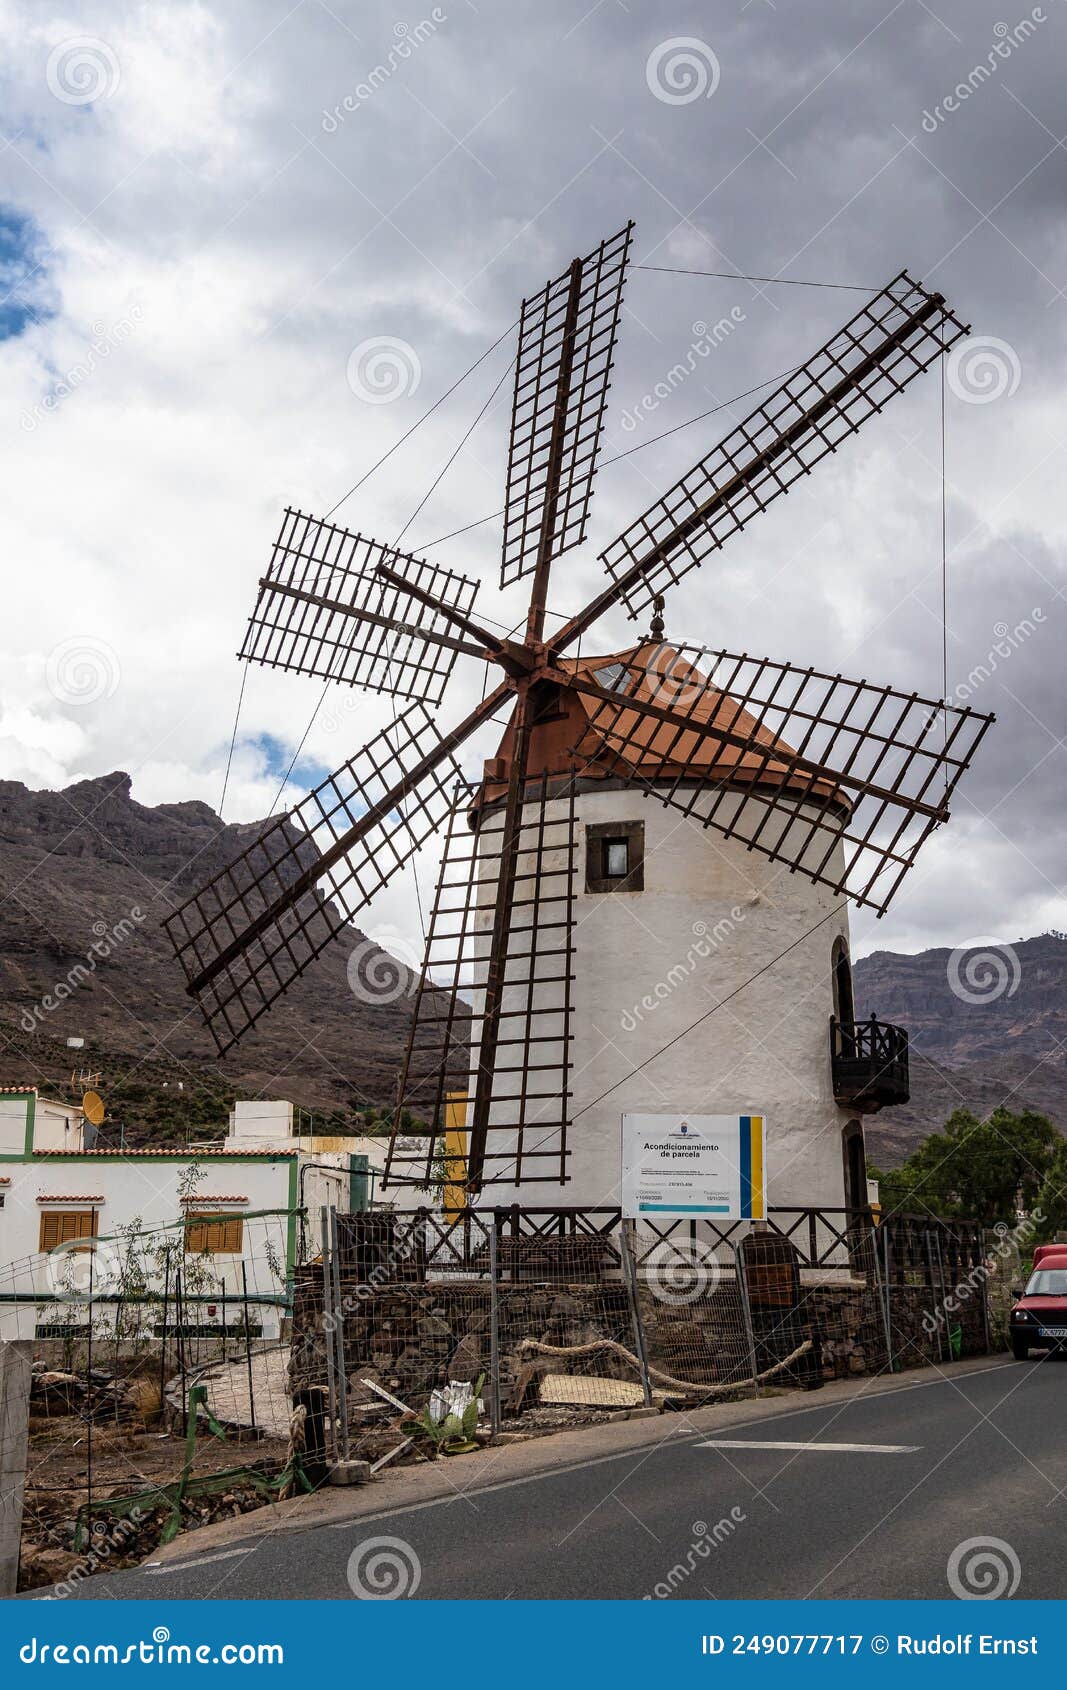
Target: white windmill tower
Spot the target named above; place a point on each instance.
(642, 904)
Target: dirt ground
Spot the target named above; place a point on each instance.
(124, 1459)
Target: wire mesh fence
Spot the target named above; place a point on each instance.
(171, 1378)
(526, 1320)
(157, 1389)
(935, 1276)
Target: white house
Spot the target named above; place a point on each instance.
(219, 1224)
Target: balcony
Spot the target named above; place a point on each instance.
(869, 1064)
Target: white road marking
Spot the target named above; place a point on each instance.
(355, 1522)
(827, 1449)
(156, 1570)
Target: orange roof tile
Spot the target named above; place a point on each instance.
(651, 750)
(178, 1155)
(209, 1197)
(68, 1197)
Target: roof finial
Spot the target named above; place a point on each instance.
(656, 632)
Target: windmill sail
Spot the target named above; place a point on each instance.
(253, 928)
(893, 339)
(324, 610)
(528, 1086)
(567, 339)
(839, 780)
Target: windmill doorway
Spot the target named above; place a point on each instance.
(855, 1165)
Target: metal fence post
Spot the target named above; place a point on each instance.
(985, 1298)
(746, 1315)
(163, 1337)
(248, 1346)
(933, 1291)
(887, 1265)
(945, 1297)
(327, 1328)
(882, 1294)
(89, 1383)
(179, 1320)
(494, 1331)
(629, 1274)
(339, 1335)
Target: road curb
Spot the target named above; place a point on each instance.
(463, 1477)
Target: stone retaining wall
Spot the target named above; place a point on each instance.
(412, 1337)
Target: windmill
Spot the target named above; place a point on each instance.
(835, 783)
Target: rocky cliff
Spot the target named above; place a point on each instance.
(986, 1025)
(91, 867)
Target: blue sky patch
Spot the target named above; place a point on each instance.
(307, 772)
(22, 274)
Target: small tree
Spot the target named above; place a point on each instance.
(1052, 1198)
(985, 1171)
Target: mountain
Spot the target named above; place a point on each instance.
(986, 1025)
(88, 867)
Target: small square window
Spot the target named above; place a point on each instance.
(616, 858)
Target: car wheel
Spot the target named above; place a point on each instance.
(1020, 1350)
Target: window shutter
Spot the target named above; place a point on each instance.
(62, 1226)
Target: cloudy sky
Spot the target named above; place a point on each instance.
(207, 212)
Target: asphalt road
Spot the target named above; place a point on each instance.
(918, 1472)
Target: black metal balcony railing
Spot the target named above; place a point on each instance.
(869, 1063)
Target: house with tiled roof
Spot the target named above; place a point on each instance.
(236, 1204)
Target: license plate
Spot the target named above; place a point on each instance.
(1052, 1331)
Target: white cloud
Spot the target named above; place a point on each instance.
(202, 203)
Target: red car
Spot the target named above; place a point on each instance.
(1039, 1318)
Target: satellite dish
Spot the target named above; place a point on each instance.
(93, 1108)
